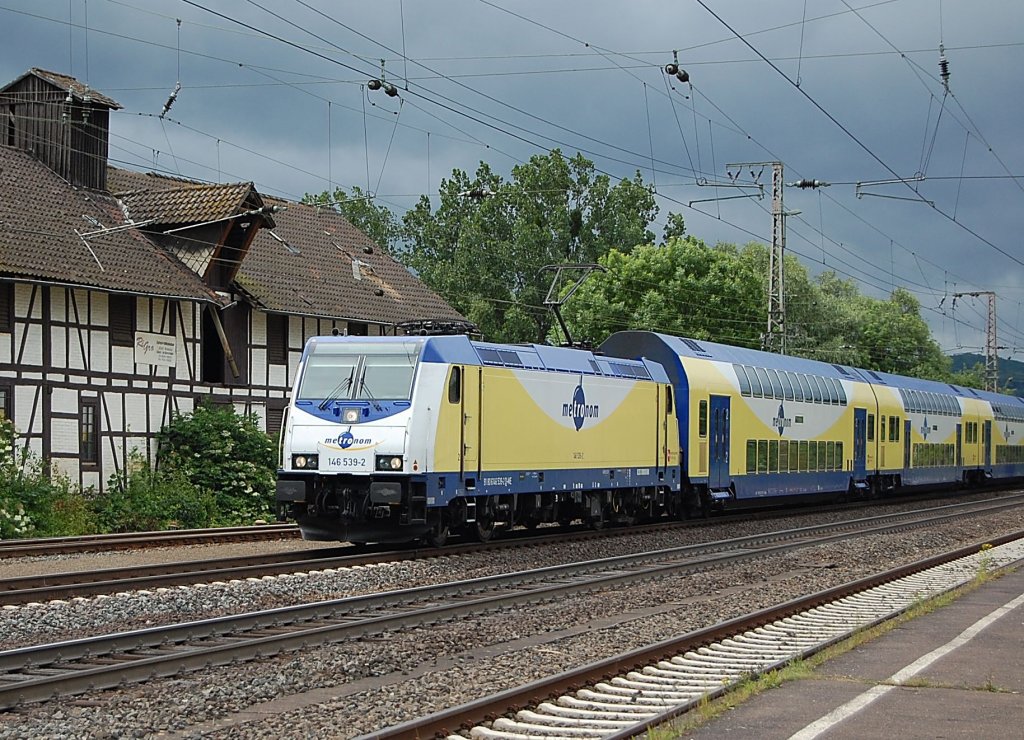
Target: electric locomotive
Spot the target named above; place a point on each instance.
(402, 438)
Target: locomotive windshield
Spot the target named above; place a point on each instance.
(359, 370)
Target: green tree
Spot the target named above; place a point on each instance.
(483, 247)
(681, 287)
(376, 221)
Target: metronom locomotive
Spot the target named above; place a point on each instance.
(392, 439)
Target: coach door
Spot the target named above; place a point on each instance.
(860, 443)
(906, 445)
(959, 445)
(718, 454)
(986, 440)
(471, 421)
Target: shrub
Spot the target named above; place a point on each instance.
(226, 453)
(26, 491)
(142, 499)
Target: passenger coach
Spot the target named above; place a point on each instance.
(757, 425)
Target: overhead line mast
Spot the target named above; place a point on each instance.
(991, 347)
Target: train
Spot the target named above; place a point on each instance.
(416, 438)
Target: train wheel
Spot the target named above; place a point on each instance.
(438, 535)
(485, 519)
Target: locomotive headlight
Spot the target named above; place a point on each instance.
(350, 415)
(305, 462)
(389, 462)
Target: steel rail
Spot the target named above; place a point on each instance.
(138, 540)
(447, 722)
(344, 618)
(71, 584)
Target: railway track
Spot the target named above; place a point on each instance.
(85, 583)
(138, 540)
(38, 673)
(628, 695)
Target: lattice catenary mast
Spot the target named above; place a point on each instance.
(991, 347)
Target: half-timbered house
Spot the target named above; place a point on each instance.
(127, 297)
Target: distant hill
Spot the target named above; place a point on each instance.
(1011, 372)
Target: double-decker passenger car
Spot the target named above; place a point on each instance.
(757, 425)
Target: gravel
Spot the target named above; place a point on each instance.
(350, 688)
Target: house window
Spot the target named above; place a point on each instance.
(277, 339)
(6, 307)
(358, 329)
(6, 401)
(121, 309)
(88, 431)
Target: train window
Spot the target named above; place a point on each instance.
(932, 402)
(794, 456)
(894, 426)
(833, 394)
(794, 382)
(787, 385)
(702, 419)
(455, 385)
(766, 383)
(773, 456)
(821, 455)
(773, 376)
(806, 387)
(751, 455)
(839, 457)
(812, 456)
(815, 388)
(871, 427)
(755, 383)
(824, 388)
(762, 456)
(741, 376)
(842, 392)
(830, 455)
(783, 456)
(668, 399)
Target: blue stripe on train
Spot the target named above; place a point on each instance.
(443, 487)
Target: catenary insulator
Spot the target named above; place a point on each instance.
(683, 76)
(671, 68)
(374, 84)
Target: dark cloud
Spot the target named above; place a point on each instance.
(486, 84)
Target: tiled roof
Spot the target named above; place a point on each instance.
(189, 204)
(311, 268)
(39, 213)
(304, 265)
(69, 84)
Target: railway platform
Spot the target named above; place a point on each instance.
(957, 672)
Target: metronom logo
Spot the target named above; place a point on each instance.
(578, 409)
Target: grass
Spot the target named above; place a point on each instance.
(799, 669)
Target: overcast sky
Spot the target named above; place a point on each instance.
(845, 91)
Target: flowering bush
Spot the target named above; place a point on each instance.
(226, 454)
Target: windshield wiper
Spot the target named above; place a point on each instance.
(363, 388)
(338, 390)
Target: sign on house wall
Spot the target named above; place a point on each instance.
(154, 349)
